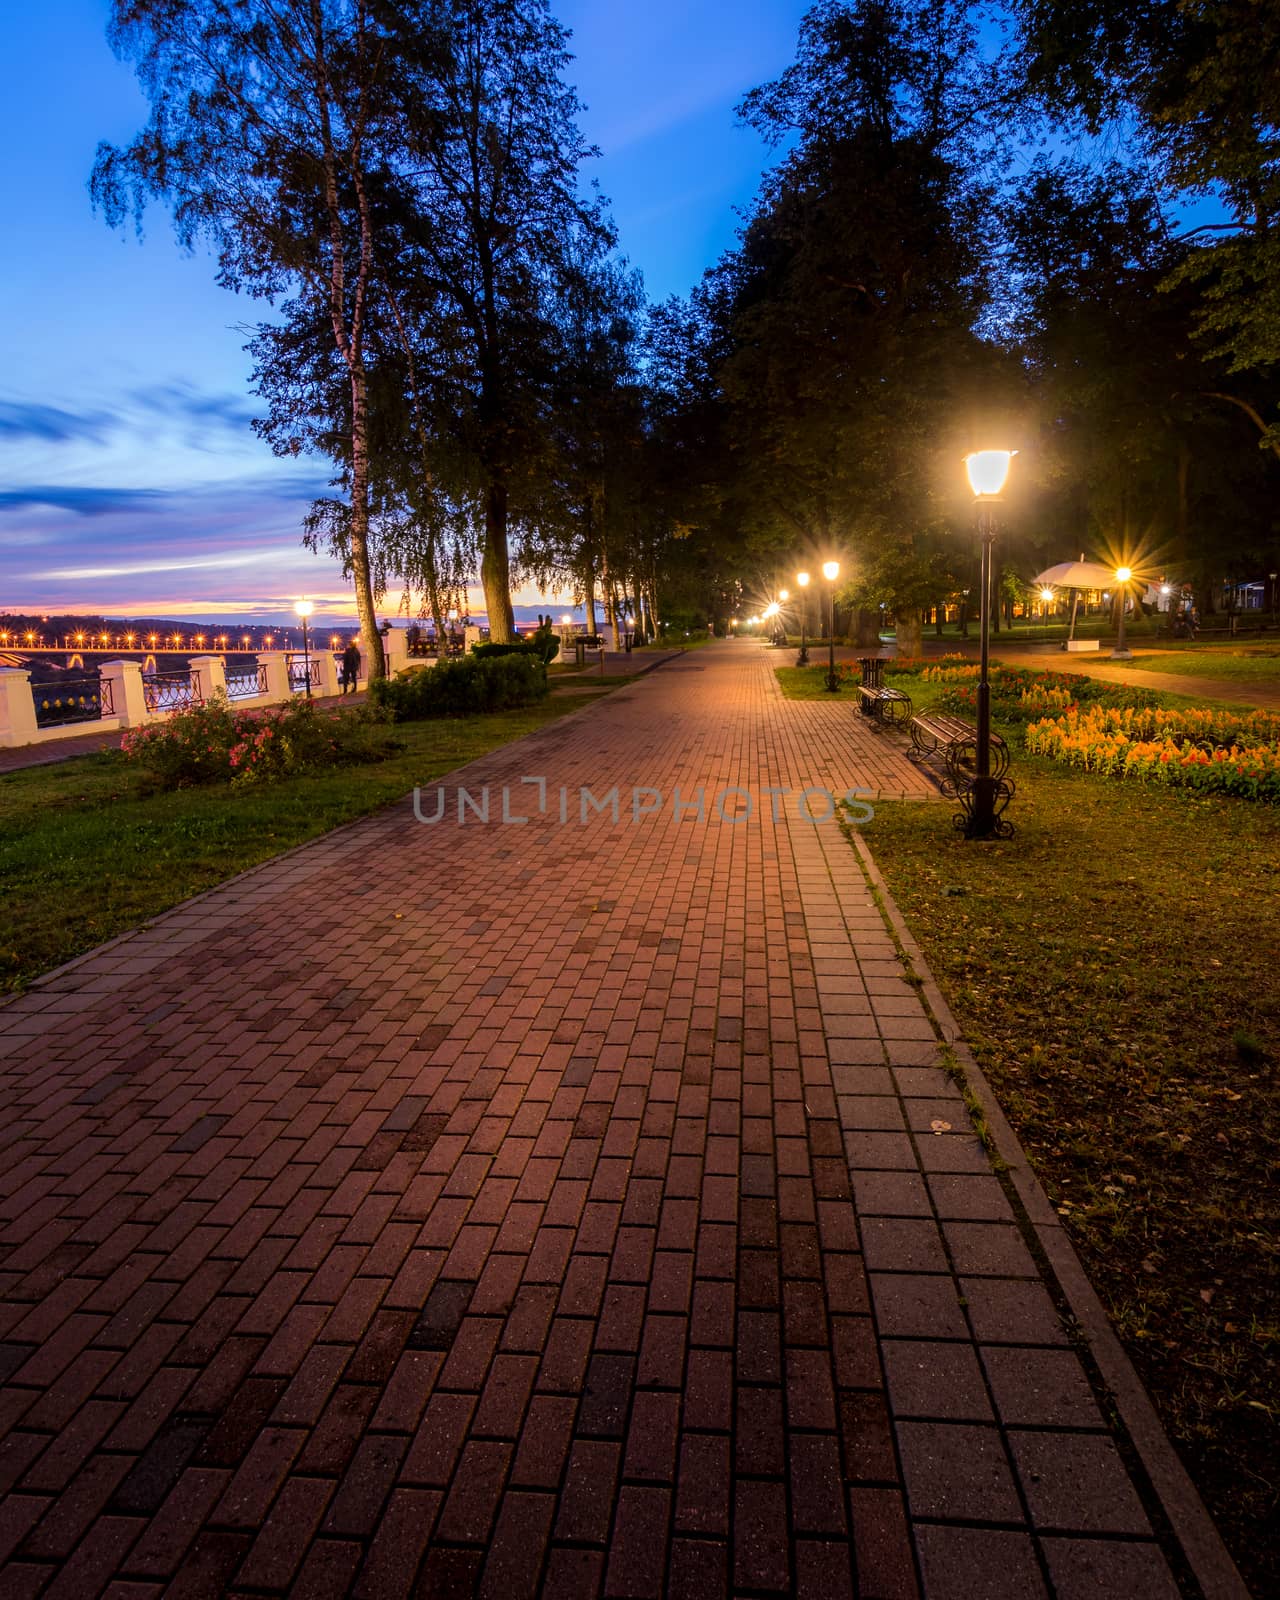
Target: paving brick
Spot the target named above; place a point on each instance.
(982, 1564)
(1108, 1569)
(929, 1379)
(1040, 1388)
(761, 1552)
(883, 1565)
(1076, 1482)
(823, 1569)
(699, 1570)
(652, 1437)
(817, 1484)
(513, 1566)
(587, 1499)
(957, 1471)
(637, 1562)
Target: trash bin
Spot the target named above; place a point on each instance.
(580, 652)
(627, 640)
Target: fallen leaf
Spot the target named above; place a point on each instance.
(939, 1126)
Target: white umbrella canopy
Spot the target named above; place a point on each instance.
(1078, 575)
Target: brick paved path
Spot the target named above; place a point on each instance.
(467, 1209)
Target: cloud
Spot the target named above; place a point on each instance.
(21, 419)
(86, 501)
(227, 412)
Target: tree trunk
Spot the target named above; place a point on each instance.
(360, 569)
(909, 632)
(866, 633)
(495, 567)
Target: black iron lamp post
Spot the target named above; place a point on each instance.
(802, 578)
(831, 571)
(1122, 651)
(988, 472)
(304, 609)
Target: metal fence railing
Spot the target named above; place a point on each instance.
(244, 685)
(72, 700)
(298, 668)
(170, 691)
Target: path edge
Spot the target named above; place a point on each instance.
(1193, 1527)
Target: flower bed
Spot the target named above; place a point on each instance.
(1021, 694)
(1228, 752)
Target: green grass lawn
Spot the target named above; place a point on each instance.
(1252, 663)
(1113, 967)
(86, 851)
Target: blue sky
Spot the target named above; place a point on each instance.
(129, 480)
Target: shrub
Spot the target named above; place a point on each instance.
(190, 747)
(215, 744)
(544, 646)
(476, 683)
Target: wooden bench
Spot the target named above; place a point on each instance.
(885, 704)
(937, 735)
(878, 701)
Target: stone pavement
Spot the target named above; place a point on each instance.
(561, 1209)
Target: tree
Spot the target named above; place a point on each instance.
(1137, 457)
(263, 142)
(1202, 86)
(494, 151)
(845, 324)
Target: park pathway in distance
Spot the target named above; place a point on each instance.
(560, 1208)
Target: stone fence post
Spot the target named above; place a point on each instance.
(277, 664)
(326, 671)
(128, 702)
(17, 708)
(209, 675)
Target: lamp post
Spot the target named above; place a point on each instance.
(988, 472)
(831, 571)
(304, 609)
(964, 613)
(1121, 651)
(1046, 596)
(802, 579)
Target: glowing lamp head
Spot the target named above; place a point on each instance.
(771, 610)
(988, 472)
(304, 608)
(1046, 594)
(831, 570)
(802, 578)
(566, 618)
(784, 594)
(1123, 574)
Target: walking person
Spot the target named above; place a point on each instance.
(350, 667)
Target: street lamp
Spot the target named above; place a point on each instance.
(802, 579)
(1121, 653)
(988, 473)
(304, 608)
(831, 571)
(1046, 596)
